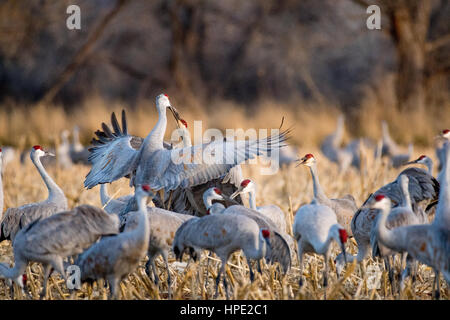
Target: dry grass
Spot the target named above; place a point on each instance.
(22, 184)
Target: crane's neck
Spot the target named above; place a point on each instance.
(252, 199)
(216, 208)
(186, 136)
(323, 247)
(406, 198)
(390, 238)
(442, 217)
(319, 194)
(14, 272)
(54, 191)
(154, 140)
(207, 201)
(429, 164)
(142, 231)
(104, 197)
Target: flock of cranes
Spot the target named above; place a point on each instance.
(198, 206)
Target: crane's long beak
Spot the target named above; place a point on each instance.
(410, 162)
(175, 114)
(235, 194)
(230, 199)
(49, 154)
(300, 161)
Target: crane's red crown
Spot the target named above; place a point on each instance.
(343, 235)
(309, 156)
(217, 190)
(166, 95)
(445, 131)
(245, 183)
(24, 279)
(184, 122)
(37, 147)
(379, 197)
(146, 187)
(422, 157)
(265, 233)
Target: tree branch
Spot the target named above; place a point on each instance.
(436, 44)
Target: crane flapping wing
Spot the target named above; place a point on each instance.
(114, 154)
(199, 164)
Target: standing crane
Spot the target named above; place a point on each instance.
(114, 156)
(50, 240)
(63, 158)
(113, 258)
(78, 153)
(223, 234)
(392, 150)
(315, 226)
(272, 212)
(344, 208)
(18, 218)
(331, 147)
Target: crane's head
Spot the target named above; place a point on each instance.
(422, 160)
(38, 151)
(246, 185)
(308, 160)
(163, 102)
(380, 201)
(265, 235)
(144, 191)
(445, 134)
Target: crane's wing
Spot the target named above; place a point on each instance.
(114, 154)
(198, 164)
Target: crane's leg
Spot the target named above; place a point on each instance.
(252, 275)
(47, 271)
(437, 293)
(325, 279)
(161, 195)
(387, 265)
(169, 203)
(259, 266)
(113, 284)
(205, 281)
(168, 275)
(300, 263)
(221, 271)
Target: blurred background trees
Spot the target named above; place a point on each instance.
(201, 51)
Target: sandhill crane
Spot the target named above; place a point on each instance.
(344, 207)
(113, 156)
(61, 235)
(315, 226)
(440, 150)
(113, 258)
(189, 200)
(18, 218)
(208, 197)
(428, 243)
(273, 212)
(163, 225)
(426, 161)
(223, 234)
(390, 148)
(281, 243)
(78, 153)
(63, 158)
(423, 190)
(330, 147)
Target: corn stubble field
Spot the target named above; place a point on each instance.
(289, 188)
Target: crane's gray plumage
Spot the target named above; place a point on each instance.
(281, 250)
(331, 147)
(77, 152)
(18, 218)
(392, 150)
(223, 235)
(113, 156)
(344, 208)
(113, 258)
(52, 239)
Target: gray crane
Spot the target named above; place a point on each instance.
(223, 234)
(281, 243)
(272, 212)
(63, 158)
(18, 218)
(423, 190)
(315, 226)
(344, 208)
(114, 257)
(111, 205)
(392, 150)
(50, 240)
(114, 156)
(331, 147)
(78, 153)
(208, 197)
